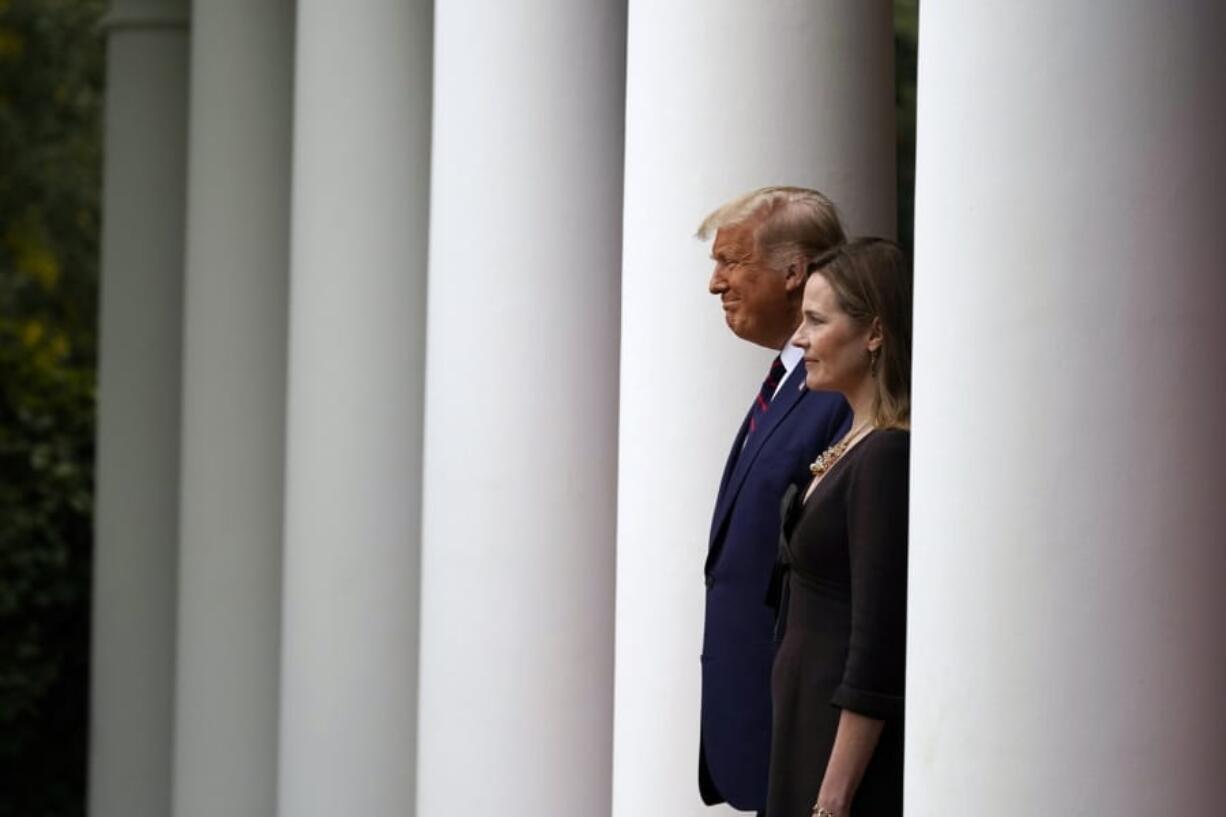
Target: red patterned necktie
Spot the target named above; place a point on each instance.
(762, 403)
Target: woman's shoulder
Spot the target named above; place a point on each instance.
(885, 447)
(889, 437)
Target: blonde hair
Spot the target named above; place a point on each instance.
(871, 277)
(791, 221)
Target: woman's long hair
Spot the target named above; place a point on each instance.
(871, 277)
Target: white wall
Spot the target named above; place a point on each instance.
(136, 505)
(521, 419)
(1065, 652)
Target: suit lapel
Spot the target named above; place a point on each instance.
(787, 399)
(722, 497)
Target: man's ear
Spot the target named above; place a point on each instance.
(876, 336)
(794, 276)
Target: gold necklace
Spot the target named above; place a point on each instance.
(826, 460)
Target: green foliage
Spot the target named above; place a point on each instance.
(906, 50)
(46, 429)
(51, 63)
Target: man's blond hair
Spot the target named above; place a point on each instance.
(791, 222)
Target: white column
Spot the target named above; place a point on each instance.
(234, 360)
(135, 519)
(723, 97)
(1065, 648)
(518, 534)
(353, 479)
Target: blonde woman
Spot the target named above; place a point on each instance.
(837, 681)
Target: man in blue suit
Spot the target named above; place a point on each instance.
(763, 242)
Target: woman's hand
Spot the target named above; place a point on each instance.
(825, 808)
(854, 743)
(830, 806)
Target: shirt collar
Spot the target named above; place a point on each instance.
(789, 356)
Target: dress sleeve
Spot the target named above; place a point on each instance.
(874, 675)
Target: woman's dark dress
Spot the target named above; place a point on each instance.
(843, 627)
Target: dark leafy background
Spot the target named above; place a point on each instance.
(51, 61)
(906, 41)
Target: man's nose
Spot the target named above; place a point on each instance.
(717, 284)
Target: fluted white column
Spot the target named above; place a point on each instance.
(135, 519)
(357, 332)
(518, 535)
(233, 409)
(1065, 653)
(722, 97)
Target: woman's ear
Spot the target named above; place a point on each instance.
(876, 336)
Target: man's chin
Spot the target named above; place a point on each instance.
(749, 334)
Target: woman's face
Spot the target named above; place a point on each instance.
(836, 348)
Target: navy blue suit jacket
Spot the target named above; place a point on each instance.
(738, 640)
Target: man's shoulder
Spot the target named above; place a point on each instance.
(822, 403)
(817, 417)
(822, 398)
